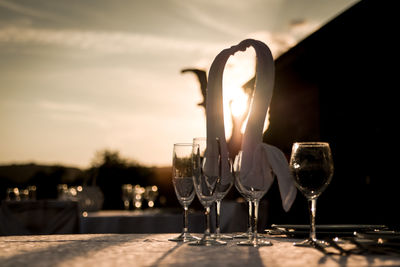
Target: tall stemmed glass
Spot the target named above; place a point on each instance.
(248, 234)
(182, 179)
(311, 165)
(206, 175)
(254, 193)
(221, 190)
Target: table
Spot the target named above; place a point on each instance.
(39, 217)
(63, 217)
(139, 221)
(233, 219)
(156, 250)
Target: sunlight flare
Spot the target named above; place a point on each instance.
(240, 68)
(239, 104)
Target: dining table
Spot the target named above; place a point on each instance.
(163, 220)
(138, 221)
(156, 250)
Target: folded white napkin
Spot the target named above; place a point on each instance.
(258, 159)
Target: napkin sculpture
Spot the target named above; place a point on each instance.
(258, 159)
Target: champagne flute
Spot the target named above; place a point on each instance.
(182, 179)
(221, 190)
(311, 165)
(254, 193)
(207, 174)
(248, 234)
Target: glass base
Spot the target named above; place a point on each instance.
(184, 237)
(247, 236)
(255, 243)
(310, 243)
(221, 237)
(208, 241)
(242, 236)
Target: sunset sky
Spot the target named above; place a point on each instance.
(77, 76)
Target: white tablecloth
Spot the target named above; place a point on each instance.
(156, 250)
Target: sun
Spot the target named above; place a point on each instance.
(238, 105)
(239, 69)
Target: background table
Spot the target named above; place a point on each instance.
(233, 219)
(156, 250)
(63, 217)
(39, 217)
(140, 221)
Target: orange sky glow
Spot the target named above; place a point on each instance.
(79, 77)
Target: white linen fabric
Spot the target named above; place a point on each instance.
(259, 160)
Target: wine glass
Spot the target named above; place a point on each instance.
(13, 194)
(150, 194)
(126, 195)
(254, 192)
(182, 179)
(311, 165)
(206, 176)
(137, 196)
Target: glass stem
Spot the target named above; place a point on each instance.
(185, 220)
(250, 219)
(217, 223)
(207, 217)
(312, 205)
(255, 216)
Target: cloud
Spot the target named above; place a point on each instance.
(28, 11)
(121, 130)
(103, 41)
(207, 19)
(277, 42)
(280, 42)
(300, 28)
(72, 112)
(62, 107)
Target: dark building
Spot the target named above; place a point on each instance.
(340, 85)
